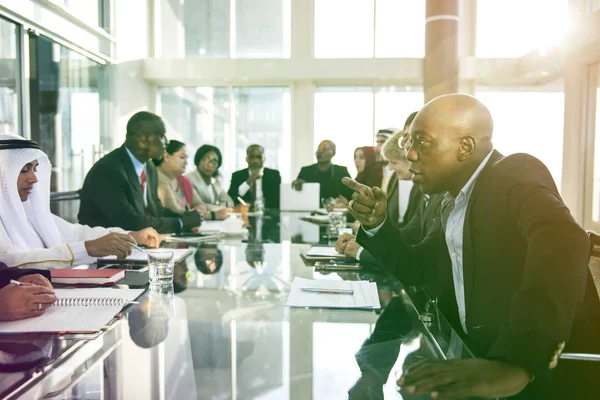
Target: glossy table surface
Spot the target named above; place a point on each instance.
(222, 331)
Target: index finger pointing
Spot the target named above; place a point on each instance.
(357, 187)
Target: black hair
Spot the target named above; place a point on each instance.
(144, 117)
(204, 150)
(173, 147)
(201, 258)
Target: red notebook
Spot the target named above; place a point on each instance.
(87, 276)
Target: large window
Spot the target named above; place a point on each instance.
(87, 10)
(369, 28)
(9, 73)
(224, 28)
(594, 74)
(350, 116)
(512, 28)
(529, 121)
(66, 110)
(231, 118)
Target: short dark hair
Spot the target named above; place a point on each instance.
(205, 149)
(262, 149)
(201, 259)
(410, 119)
(173, 147)
(144, 117)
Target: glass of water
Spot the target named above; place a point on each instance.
(161, 265)
(337, 222)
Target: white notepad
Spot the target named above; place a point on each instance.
(322, 251)
(141, 256)
(84, 310)
(364, 294)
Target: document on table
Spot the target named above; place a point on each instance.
(364, 294)
(321, 251)
(92, 309)
(138, 256)
(210, 226)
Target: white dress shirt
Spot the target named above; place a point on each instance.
(244, 187)
(454, 211)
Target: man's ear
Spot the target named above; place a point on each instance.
(466, 148)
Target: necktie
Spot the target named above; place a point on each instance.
(143, 180)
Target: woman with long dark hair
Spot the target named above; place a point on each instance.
(370, 172)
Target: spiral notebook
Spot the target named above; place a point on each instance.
(76, 311)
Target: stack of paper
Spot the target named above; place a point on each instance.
(140, 257)
(321, 251)
(210, 226)
(363, 294)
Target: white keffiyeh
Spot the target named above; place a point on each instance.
(28, 224)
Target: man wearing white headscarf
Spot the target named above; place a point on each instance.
(30, 235)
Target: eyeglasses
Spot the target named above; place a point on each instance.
(154, 137)
(213, 161)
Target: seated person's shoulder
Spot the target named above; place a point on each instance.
(520, 167)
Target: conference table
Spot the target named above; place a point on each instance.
(223, 331)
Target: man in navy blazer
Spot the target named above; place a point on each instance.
(508, 258)
(256, 181)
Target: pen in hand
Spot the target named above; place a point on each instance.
(16, 283)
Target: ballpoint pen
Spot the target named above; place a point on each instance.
(328, 291)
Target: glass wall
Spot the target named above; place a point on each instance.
(87, 10)
(369, 28)
(9, 78)
(230, 118)
(531, 121)
(550, 21)
(65, 110)
(350, 116)
(225, 29)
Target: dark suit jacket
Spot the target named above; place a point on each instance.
(525, 263)
(112, 196)
(331, 182)
(271, 180)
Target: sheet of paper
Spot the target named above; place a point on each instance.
(74, 318)
(364, 294)
(319, 219)
(137, 255)
(305, 200)
(321, 251)
(210, 226)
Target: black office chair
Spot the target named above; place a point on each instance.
(594, 266)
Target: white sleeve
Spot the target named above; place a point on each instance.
(243, 189)
(61, 256)
(372, 232)
(359, 252)
(77, 233)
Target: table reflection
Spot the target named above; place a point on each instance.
(222, 331)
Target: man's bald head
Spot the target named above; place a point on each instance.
(451, 135)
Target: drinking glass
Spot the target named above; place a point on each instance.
(161, 265)
(337, 222)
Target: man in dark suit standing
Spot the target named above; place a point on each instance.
(508, 258)
(121, 188)
(256, 183)
(324, 172)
